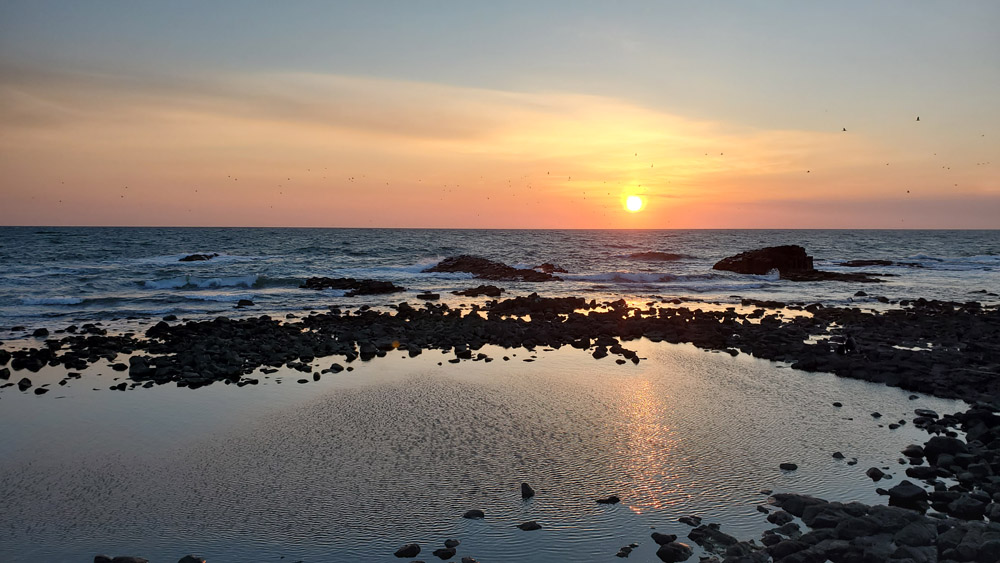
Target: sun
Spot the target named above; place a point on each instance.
(634, 203)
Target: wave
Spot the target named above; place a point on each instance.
(51, 301)
(191, 282)
(621, 277)
(175, 259)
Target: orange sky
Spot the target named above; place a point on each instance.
(252, 147)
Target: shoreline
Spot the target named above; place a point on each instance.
(889, 348)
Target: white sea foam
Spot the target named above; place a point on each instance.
(191, 282)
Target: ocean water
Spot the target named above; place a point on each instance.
(352, 467)
(57, 276)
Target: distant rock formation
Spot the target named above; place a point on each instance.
(198, 257)
(355, 287)
(489, 270)
(792, 263)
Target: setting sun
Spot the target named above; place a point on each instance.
(633, 203)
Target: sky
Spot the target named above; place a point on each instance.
(794, 114)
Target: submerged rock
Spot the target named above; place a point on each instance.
(408, 550)
(529, 526)
(474, 514)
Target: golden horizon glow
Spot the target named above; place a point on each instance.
(634, 203)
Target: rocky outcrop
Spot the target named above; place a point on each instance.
(550, 268)
(489, 270)
(487, 290)
(354, 287)
(788, 258)
(199, 257)
(791, 262)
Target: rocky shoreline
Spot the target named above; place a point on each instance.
(945, 349)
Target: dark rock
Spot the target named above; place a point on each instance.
(129, 559)
(429, 296)
(916, 533)
(41, 390)
(354, 287)
(102, 559)
(875, 474)
(925, 412)
(40, 332)
(468, 559)
(408, 550)
(244, 303)
(711, 538)
(452, 543)
(779, 517)
(788, 466)
(967, 508)
(787, 258)
(913, 450)
(838, 404)
(475, 513)
(838, 455)
(526, 491)
(198, 257)
(794, 503)
(550, 268)
(663, 539)
(907, 495)
(690, 520)
(876, 414)
(487, 290)
(938, 445)
(191, 559)
(613, 499)
(24, 384)
(674, 552)
(529, 526)
(489, 270)
(444, 553)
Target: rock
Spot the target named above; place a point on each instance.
(917, 533)
(913, 450)
(526, 491)
(690, 520)
(938, 445)
(40, 333)
(838, 455)
(191, 559)
(429, 296)
(779, 517)
(129, 559)
(474, 514)
(967, 508)
(408, 550)
(452, 543)
(550, 268)
(489, 270)
(529, 526)
(5, 373)
(794, 503)
(876, 414)
(354, 287)
(787, 258)
(609, 500)
(244, 303)
(24, 384)
(788, 466)
(41, 390)
(102, 559)
(468, 559)
(875, 474)
(487, 290)
(838, 404)
(907, 495)
(656, 256)
(663, 539)
(711, 538)
(925, 412)
(674, 552)
(198, 257)
(445, 553)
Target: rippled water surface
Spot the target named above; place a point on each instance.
(354, 466)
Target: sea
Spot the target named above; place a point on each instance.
(392, 451)
(52, 276)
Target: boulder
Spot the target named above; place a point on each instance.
(199, 257)
(529, 526)
(907, 495)
(663, 539)
(489, 270)
(526, 491)
(474, 514)
(408, 550)
(674, 551)
(788, 258)
(444, 553)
